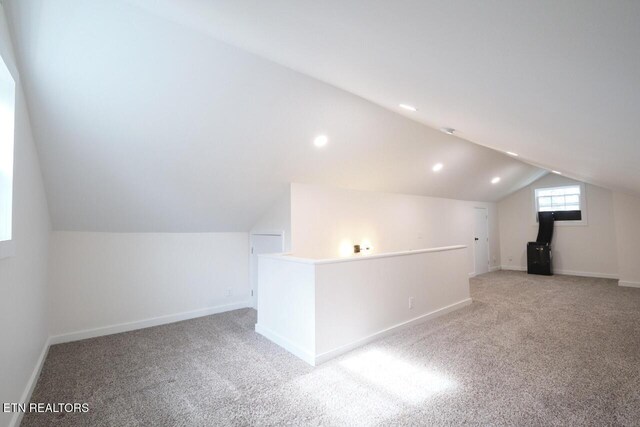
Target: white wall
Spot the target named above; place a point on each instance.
(277, 218)
(318, 309)
(98, 280)
(324, 217)
(581, 249)
(286, 304)
(23, 277)
(627, 219)
(231, 129)
(360, 299)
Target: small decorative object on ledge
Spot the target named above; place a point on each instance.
(356, 249)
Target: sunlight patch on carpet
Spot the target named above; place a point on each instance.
(405, 380)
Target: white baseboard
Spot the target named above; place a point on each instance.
(292, 348)
(566, 272)
(491, 269)
(513, 268)
(316, 360)
(31, 383)
(323, 357)
(108, 330)
(586, 274)
(628, 284)
(146, 323)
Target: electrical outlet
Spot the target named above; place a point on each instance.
(229, 292)
(411, 303)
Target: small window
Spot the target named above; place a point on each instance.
(565, 202)
(7, 119)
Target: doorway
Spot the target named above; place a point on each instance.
(267, 243)
(481, 240)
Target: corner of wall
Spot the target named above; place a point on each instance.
(25, 275)
(277, 218)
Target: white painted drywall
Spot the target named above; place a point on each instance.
(358, 299)
(98, 280)
(318, 309)
(323, 218)
(582, 249)
(230, 129)
(627, 220)
(286, 304)
(23, 277)
(554, 81)
(277, 219)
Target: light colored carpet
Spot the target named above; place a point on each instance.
(530, 350)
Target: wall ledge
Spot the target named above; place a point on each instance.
(289, 257)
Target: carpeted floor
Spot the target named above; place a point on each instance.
(530, 350)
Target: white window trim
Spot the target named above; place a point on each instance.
(7, 248)
(583, 205)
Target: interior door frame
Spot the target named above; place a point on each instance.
(252, 286)
(475, 267)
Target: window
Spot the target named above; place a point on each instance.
(7, 119)
(565, 202)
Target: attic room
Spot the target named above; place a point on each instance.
(218, 212)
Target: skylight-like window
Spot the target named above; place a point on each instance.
(7, 120)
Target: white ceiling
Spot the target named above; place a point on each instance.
(145, 124)
(556, 81)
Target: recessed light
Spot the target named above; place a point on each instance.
(408, 107)
(437, 167)
(320, 141)
(511, 153)
(495, 180)
(557, 173)
(448, 131)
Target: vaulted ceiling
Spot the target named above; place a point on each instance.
(194, 115)
(558, 82)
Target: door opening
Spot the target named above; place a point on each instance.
(267, 243)
(481, 241)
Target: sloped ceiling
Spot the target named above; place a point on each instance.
(558, 82)
(146, 124)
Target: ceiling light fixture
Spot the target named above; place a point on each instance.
(495, 180)
(511, 153)
(320, 141)
(448, 131)
(408, 107)
(437, 167)
(557, 173)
